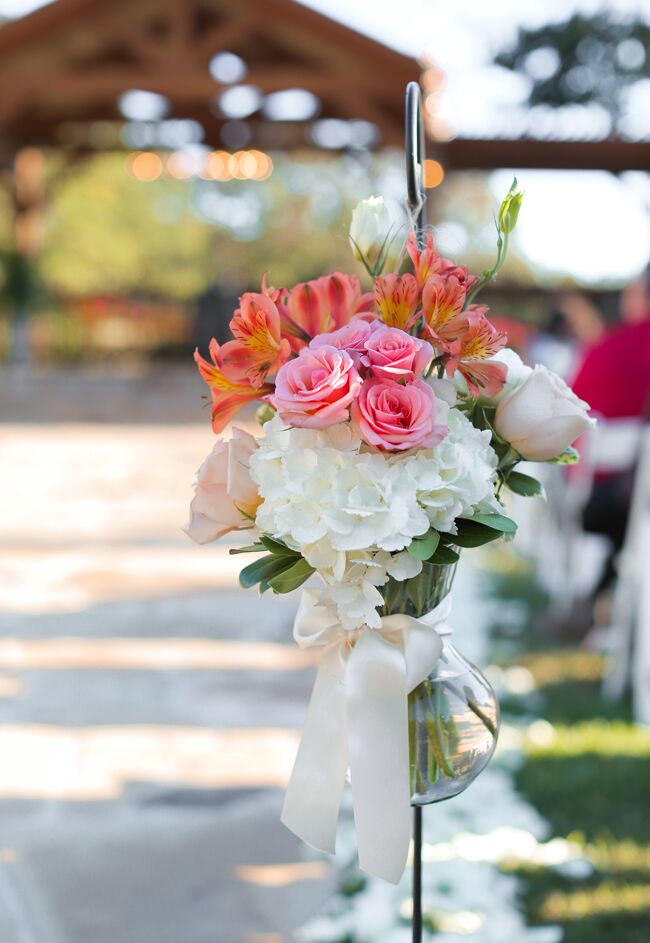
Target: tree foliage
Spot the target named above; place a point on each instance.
(585, 59)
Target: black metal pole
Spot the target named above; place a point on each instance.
(415, 150)
(417, 874)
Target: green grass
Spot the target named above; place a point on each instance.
(590, 781)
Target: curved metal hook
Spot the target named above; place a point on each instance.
(414, 146)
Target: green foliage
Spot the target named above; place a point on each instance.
(592, 59)
(19, 283)
(290, 577)
(497, 521)
(281, 570)
(423, 548)
(108, 233)
(589, 776)
(444, 556)
(525, 485)
(472, 533)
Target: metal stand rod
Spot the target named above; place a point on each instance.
(417, 874)
(414, 147)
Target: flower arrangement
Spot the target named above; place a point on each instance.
(392, 422)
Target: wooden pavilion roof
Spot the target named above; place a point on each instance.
(68, 63)
(71, 60)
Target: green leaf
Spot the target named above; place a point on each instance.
(524, 484)
(498, 521)
(262, 569)
(252, 548)
(473, 534)
(570, 456)
(444, 556)
(292, 577)
(277, 547)
(422, 548)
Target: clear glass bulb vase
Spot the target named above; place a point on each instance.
(454, 713)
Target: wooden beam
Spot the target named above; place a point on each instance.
(612, 154)
(69, 89)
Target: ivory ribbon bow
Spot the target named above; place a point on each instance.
(358, 717)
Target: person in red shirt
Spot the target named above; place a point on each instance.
(614, 378)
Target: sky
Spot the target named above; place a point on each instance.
(592, 226)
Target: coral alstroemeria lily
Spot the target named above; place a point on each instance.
(396, 297)
(321, 305)
(478, 341)
(425, 261)
(345, 297)
(229, 392)
(443, 300)
(258, 348)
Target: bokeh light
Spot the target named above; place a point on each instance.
(145, 165)
(434, 173)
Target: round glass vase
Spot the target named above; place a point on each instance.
(453, 713)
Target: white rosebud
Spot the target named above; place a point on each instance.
(370, 231)
(541, 417)
(518, 371)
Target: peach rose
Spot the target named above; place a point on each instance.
(315, 390)
(394, 354)
(393, 417)
(225, 496)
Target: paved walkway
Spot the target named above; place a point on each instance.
(149, 709)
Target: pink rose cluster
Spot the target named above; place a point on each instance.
(369, 373)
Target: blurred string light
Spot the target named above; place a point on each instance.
(291, 104)
(226, 67)
(336, 134)
(181, 165)
(172, 133)
(145, 165)
(239, 101)
(215, 165)
(434, 173)
(433, 82)
(140, 105)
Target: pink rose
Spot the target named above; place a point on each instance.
(395, 417)
(351, 337)
(225, 497)
(315, 390)
(393, 354)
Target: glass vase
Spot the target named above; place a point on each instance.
(453, 713)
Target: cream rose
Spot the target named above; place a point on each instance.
(541, 417)
(225, 496)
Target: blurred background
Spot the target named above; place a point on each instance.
(156, 158)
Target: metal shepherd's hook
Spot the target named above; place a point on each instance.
(414, 147)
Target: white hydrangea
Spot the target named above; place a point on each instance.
(351, 511)
(318, 488)
(457, 475)
(355, 594)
